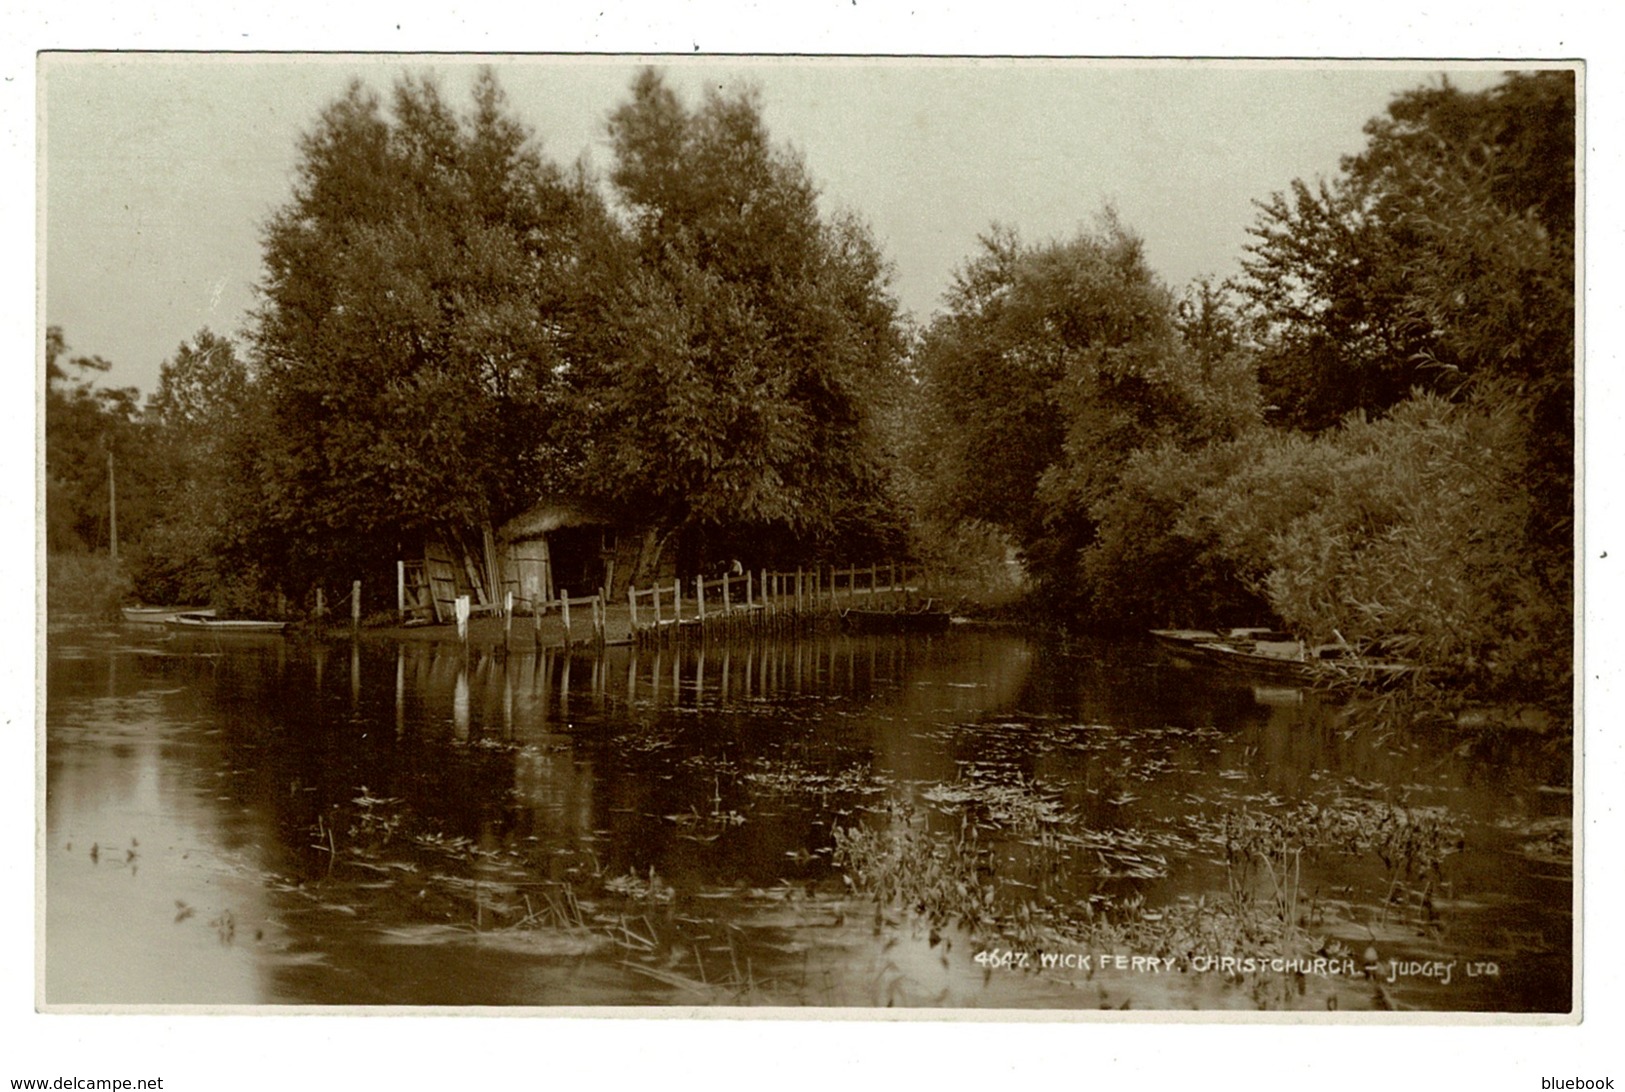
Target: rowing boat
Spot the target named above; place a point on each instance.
(157, 616)
(206, 622)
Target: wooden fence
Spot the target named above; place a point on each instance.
(765, 601)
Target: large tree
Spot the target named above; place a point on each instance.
(741, 340)
(202, 428)
(411, 347)
(1050, 367)
(1442, 250)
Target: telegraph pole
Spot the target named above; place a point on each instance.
(112, 509)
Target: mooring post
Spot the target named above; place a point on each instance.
(564, 610)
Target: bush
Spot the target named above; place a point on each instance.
(84, 585)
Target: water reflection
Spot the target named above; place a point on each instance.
(417, 824)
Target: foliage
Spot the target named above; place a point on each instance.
(1416, 545)
(740, 340)
(1050, 368)
(88, 430)
(1443, 250)
(84, 584)
(410, 346)
(199, 425)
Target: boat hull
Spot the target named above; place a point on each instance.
(207, 623)
(899, 621)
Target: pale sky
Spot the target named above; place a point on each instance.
(157, 171)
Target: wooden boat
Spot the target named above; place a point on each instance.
(206, 622)
(924, 620)
(1271, 656)
(157, 616)
(1293, 662)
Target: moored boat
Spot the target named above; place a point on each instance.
(206, 622)
(157, 616)
(1271, 656)
(925, 620)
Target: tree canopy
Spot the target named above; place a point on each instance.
(411, 346)
(741, 338)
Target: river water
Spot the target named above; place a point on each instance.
(978, 819)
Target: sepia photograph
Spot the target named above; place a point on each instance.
(831, 533)
(634, 543)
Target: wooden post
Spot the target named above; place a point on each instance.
(632, 604)
(400, 589)
(564, 609)
(507, 619)
(657, 606)
(762, 587)
(462, 617)
(891, 576)
(727, 601)
(676, 601)
(112, 510)
(355, 605)
(874, 580)
(798, 589)
(750, 597)
(699, 595)
(598, 618)
(321, 604)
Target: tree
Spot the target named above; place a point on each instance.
(738, 343)
(202, 428)
(1442, 250)
(1050, 368)
(411, 347)
(90, 430)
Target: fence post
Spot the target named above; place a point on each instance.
(699, 595)
(677, 600)
(400, 589)
(355, 605)
(727, 601)
(657, 604)
(632, 605)
(507, 619)
(798, 590)
(564, 609)
(750, 595)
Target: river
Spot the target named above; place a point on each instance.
(981, 819)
